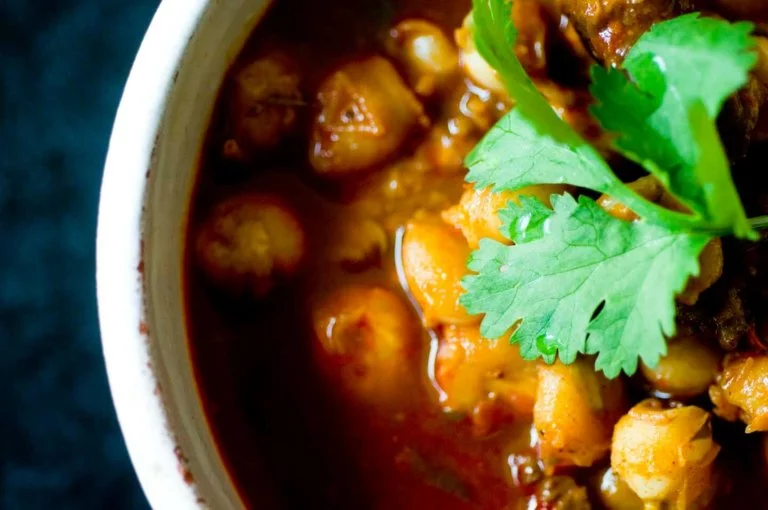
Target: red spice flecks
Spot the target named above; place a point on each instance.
(182, 460)
(140, 267)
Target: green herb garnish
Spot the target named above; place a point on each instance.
(579, 281)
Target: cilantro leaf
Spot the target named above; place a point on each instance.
(517, 153)
(592, 284)
(713, 171)
(661, 110)
(579, 281)
(531, 138)
(531, 144)
(702, 59)
(644, 131)
(526, 221)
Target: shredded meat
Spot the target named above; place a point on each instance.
(740, 116)
(732, 311)
(611, 27)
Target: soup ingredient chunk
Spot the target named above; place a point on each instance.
(429, 57)
(264, 106)
(666, 455)
(472, 63)
(366, 113)
(373, 338)
(250, 242)
(559, 493)
(448, 143)
(741, 391)
(541, 34)
(434, 261)
(467, 115)
(477, 214)
(357, 243)
(615, 494)
(486, 378)
(611, 27)
(574, 414)
(688, 369)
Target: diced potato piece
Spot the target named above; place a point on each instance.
(263, 111)
(372, 335)
(476, 373)
(741, 390)
(366, 113)
(688, 369)
(711, 258)
(666, 455)
(472, 63)
(434, 261)
(427, 54)
(574, 414)
(615, 494)
(477, 214)
(249, 242)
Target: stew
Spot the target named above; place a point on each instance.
(328, 237)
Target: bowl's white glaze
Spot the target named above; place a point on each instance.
(148, 179)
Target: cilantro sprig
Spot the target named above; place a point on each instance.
(577, 280)
(663, 104)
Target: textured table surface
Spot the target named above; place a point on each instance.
(63, 64)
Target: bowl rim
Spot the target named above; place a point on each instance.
(143, 419)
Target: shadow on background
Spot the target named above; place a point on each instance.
(63, 64)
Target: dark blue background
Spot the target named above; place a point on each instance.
(63, 64)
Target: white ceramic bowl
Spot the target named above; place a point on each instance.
(153, 156)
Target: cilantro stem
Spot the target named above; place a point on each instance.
(651, 212)
(759, 222)
(655, 213)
